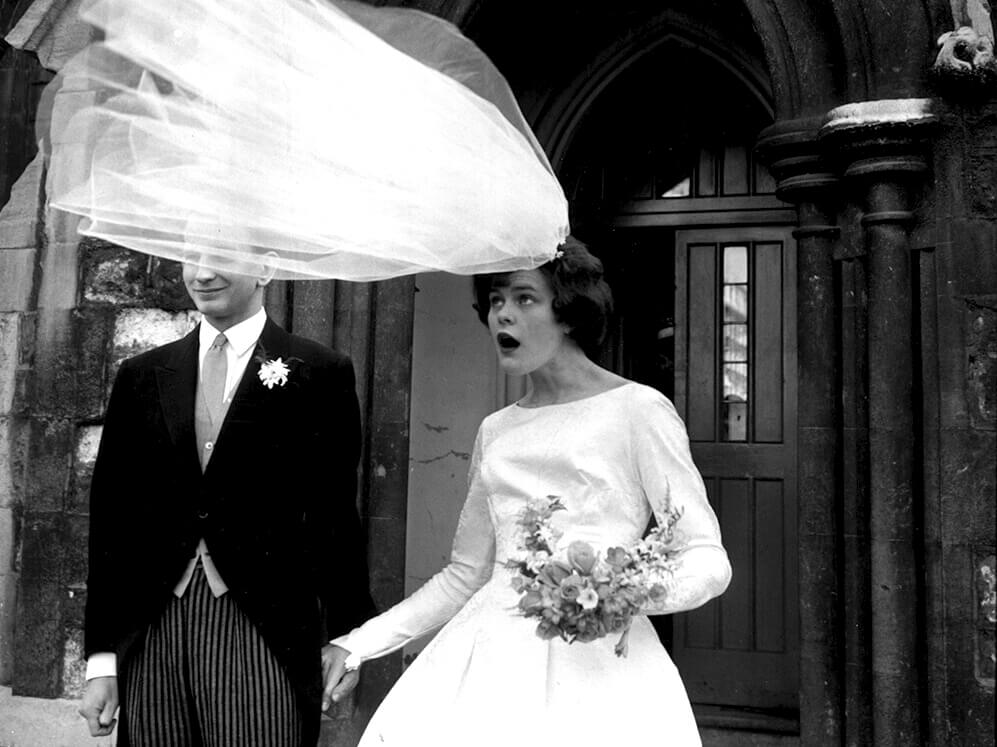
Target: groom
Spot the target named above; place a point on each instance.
(225, 546)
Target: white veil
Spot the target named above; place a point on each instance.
(352, 141)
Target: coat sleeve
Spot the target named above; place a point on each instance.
(674, 488)
(110, 484)
(472, 559)
(337, 542)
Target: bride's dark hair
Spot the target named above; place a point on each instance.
(582, 299)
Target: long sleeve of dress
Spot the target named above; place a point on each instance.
(471, 562)
(673, 486)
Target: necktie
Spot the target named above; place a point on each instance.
(213, 375)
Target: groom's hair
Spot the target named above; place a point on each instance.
(582, 299)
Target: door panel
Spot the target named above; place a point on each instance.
(735, 369)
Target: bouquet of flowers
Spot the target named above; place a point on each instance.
(580, 596)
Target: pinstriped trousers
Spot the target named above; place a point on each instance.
(205, 678)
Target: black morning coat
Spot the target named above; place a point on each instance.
(276, 504)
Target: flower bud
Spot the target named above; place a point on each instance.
(581, 556)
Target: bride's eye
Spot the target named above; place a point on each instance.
(495, 300)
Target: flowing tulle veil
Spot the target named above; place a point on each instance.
(342, 140)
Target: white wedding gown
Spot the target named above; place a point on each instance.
(486, 678)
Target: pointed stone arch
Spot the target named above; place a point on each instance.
(556, 116)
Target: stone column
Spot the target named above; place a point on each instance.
(385, 482)
(792, 151)
(882, 143)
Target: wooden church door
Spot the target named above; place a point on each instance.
(735, 386)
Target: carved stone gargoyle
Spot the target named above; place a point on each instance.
(965, 61)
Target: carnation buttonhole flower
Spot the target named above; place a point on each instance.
(274, 372)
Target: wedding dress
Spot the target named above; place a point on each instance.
(337, 139)
(615, 459)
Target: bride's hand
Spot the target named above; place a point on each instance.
(337, 680)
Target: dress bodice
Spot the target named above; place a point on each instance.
(580, 451)
(615, 459)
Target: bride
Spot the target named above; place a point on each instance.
(616, 453)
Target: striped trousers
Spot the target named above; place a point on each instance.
(205, 678)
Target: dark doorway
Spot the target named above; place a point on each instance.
(701, 259)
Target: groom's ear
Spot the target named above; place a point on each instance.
(268, 268)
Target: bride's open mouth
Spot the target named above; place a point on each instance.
(506, 341)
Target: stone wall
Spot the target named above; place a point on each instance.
(70, 312)
(959, 313)
(96, 305)
(19, 74)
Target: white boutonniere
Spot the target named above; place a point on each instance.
(274, 373)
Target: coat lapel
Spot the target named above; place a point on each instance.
(177, 382)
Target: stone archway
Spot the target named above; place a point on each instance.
(557, 118)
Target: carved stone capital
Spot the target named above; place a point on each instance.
(791, 149)
(886, 139)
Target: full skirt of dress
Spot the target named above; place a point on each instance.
(487, 679)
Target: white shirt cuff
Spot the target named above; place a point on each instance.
(102, 664)
(353, 661)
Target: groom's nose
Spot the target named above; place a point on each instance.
(204, 273)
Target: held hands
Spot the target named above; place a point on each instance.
(337, 681)
(100, 701)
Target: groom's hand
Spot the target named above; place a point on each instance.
(337, 682)
(100, 701)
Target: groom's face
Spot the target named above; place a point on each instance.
(228, 294)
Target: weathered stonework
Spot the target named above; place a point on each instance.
(53, 30)
(74, 576)
(986, 617)
(13, 442)
(12, 462)
(10, 332)
(139, 330)
(8, 623)
(124, 278)
(20, 218)
(39, 634)
(981, 361)
(93, 348)
(980, 176)
(87, 442)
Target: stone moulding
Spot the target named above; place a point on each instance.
(792, 152)
(879, 114)
(52, 30)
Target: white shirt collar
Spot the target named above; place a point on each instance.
(241, 337)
